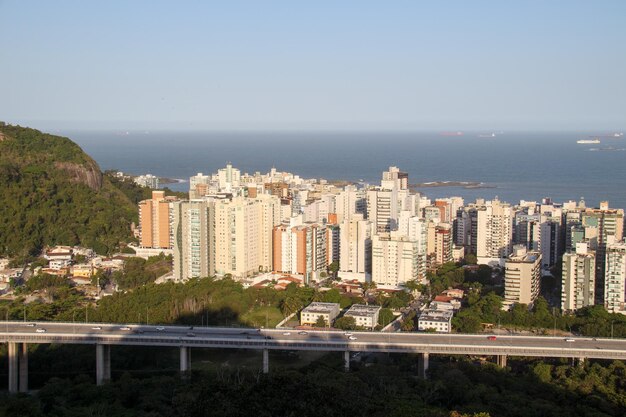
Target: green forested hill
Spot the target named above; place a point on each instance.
(51, 192)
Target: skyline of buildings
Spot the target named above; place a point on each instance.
(249, 224)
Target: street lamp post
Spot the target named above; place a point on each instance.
(612, 321)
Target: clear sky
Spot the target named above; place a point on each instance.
(314, 64)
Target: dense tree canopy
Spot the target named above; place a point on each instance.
(53, 193)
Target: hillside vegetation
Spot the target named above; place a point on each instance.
(53, 193)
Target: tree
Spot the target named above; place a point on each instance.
(345, 323)
(470, 259)
(332, 296)
(385, 317)
(333, 268)
(321, 321)
(290, 305)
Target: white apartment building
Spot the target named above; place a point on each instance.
(395, 259)
(200, 180)
(615, 278)
(578, 279)
(349, 202)
(365, 316)
(439, 320)
(522, 276)
(311, 313)
(492, 231)
(229, 178)
(147, 180)
(394, 178)
(382, 209)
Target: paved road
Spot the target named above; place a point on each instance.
(95, 333)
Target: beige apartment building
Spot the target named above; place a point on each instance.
(243, 234)
(300, 249)
(615, 278)
(395, 259)
(578, 278)
(355, 244)
(522, 276)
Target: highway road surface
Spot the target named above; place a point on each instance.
(224, 337)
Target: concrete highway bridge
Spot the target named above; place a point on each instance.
(19, 334)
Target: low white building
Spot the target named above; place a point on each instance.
(311, 313)
(7, 274)
(145, 253)
(58, 263)
(59, 253)
(4, 263)
(147, 180)
(364, 315)
(441, 321)
(442, 306)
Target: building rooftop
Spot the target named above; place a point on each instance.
(362, 310)
(318, 307)
(436, 315)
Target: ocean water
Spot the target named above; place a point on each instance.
(512, 166)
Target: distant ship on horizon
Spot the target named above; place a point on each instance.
(613, 135)
(458, 133)
(588, 141)
(487, 135)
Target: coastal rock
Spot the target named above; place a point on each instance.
(88, 173)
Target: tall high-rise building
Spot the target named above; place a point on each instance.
(349, 202)
(155, 219)
(333, 243)
(243, 234)
(394, 178)
(194, 249)
(382, 209)
(615, 278)
(355, 246)
(492, 231)
(462, 228)
(300, 249)
(198, 185)
(394, 259)
(602, 226)
(229, 178)
(439, 250)
(578, 279)
(522, 276)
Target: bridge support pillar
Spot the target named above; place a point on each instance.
(346, 360)
(581, 362)
(13, 367)
(501, 361)
(23, 367)
(185, 360)
(266, 361)
(422, 364)
(103, 364)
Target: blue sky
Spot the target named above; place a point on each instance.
(314, 65)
